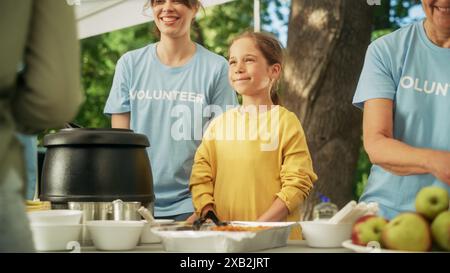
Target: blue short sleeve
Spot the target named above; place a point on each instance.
(119, 96)
(376, 80)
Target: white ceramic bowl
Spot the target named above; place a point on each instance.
(55, 237)
(323, 234)
(59, 216)
(115, 235)
(148, 236)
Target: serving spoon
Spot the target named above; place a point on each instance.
(147, 216)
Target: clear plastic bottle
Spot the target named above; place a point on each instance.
(325, 209)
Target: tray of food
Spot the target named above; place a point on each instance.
(237, 236)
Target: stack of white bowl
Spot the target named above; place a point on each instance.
(55, 230)
(323, 234)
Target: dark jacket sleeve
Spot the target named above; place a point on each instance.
(49, 89)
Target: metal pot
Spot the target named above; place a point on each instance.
(96, 165)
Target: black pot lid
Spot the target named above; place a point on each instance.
(96, 136)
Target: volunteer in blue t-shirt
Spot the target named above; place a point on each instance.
(404, 89)
(169, 91)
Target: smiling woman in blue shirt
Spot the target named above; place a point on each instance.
(404, 92)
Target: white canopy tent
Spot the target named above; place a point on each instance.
(99, 16)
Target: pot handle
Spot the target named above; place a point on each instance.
(72, 125)
(117, 208)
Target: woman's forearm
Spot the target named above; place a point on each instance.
(403, 171)
(383, 149)
(120, 121)
(398, 157)
(402, 159)
(277, 212)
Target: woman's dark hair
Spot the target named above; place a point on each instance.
(188, 3)
(272, 51)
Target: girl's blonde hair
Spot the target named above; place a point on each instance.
(272, 51)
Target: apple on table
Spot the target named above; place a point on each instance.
(432, 200)
(408, 231)
(440, 230)
(367, 229)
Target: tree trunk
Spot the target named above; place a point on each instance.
(327, 41)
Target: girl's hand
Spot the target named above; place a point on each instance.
(191, 219)
(194, 216)
(438, 164)
(276, 213)
(207, 208)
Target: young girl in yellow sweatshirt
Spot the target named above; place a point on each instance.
(253, 163)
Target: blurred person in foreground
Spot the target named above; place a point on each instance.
(30, 148)
(39, 88)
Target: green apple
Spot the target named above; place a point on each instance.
(407, 231)
(430, 201)
(367, 229)
(440, 229)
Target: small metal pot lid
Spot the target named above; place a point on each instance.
(95, 136)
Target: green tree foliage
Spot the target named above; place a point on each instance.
(99, 55)
(390, 14)
(221, 23)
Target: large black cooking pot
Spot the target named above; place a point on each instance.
(96, 165)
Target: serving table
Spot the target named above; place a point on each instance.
(294, 246)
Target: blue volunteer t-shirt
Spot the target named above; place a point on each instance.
(406, 67)
(172, 106)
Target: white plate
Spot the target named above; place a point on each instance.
(148, 237)
(372, 248)
(164, 221)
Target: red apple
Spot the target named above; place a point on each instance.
(368, 228)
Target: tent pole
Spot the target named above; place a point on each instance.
(256, 16)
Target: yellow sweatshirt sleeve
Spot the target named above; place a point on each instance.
(202, 178)
(297, 174)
